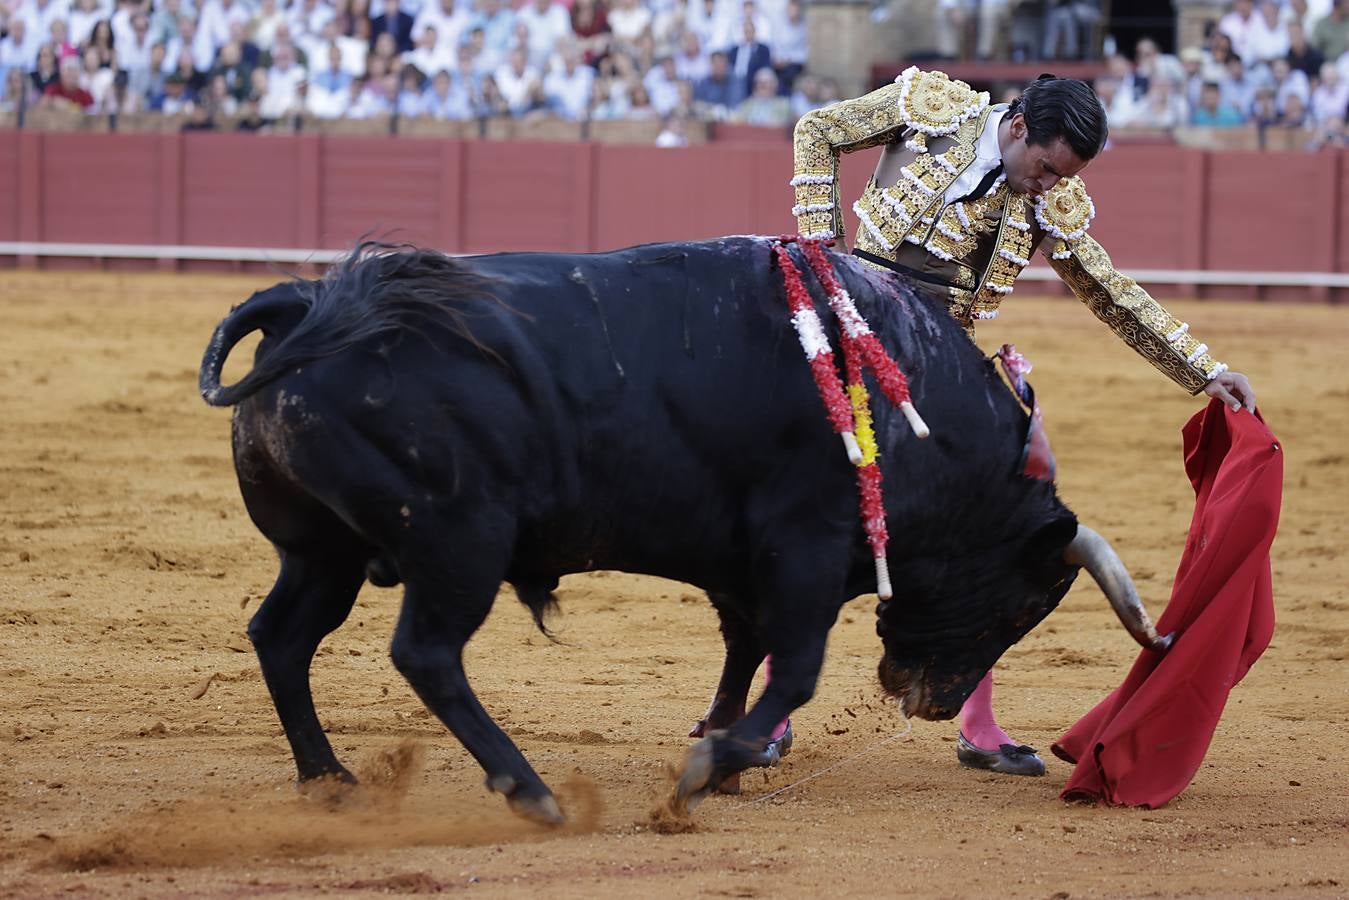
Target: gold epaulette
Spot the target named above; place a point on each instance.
(1065, 212)
(934, 104)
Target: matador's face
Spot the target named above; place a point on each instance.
(1035, 168)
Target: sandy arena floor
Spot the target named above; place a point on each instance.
(140, 755)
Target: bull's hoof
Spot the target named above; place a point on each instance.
(695, 779)
(699, 728)
(542, 809)
(331, 788)
(340, 775)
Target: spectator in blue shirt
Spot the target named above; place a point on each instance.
(720, 91)
(1212, 112)
(448, 98)
(498, 27)
(331, 77)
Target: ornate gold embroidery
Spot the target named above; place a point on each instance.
(932, 103)
(926, 103)
(915, 210)
(960, 226)
(1011, 254)
(820, 136)
(907, 209)
(1065, 213)
(1140, 321)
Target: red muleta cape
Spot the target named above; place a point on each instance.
(1142, 745)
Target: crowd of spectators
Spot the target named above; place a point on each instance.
(1273, 63)
(1270, 64)
(265, 61)
(1021, 30)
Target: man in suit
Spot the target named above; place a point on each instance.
(719, 92)
(394, 21)
(748, 57)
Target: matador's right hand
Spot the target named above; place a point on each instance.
(1234, 389)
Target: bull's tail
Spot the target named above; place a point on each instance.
(541, 601)
(273, 312)
(377, 289)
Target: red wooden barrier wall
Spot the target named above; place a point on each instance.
(1160, 207)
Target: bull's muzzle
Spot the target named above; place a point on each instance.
(1092, 552)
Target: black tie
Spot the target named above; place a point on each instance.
(982, 187)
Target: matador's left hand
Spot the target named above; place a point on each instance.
(1234, 389)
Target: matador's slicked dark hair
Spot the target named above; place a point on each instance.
(1063, 108)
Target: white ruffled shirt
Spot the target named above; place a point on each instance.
(987, 154)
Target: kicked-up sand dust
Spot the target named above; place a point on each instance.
(140, 755)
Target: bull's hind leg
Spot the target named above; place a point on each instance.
(312, 596)
(445, 602)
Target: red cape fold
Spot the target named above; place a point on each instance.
(1142, 745)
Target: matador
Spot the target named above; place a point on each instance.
(964, 193)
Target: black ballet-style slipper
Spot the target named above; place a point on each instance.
(1008, 759)
(775, 749)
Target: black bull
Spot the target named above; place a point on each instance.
(453, 424)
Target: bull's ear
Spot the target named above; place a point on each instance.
(1043, 554)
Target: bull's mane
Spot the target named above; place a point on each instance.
(378, 289)
(382, 286)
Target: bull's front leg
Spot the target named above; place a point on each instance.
(803, 595)
(744, 653)
(743, 656)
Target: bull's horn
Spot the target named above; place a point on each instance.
(1094, 553)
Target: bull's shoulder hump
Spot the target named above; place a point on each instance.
(727, 244)
(553, 267)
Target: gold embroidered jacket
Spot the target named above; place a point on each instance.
(979, 244)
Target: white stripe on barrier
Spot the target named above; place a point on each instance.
(1214, 276)
(284, 255)
(169, 251)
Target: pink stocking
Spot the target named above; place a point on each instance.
(976, 718)
(767, 677)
